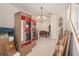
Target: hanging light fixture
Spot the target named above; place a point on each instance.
(41, 18)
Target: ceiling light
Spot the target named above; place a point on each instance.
(41, 18)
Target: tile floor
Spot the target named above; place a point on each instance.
(45, 47)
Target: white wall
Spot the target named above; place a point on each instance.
(43, 26)
(63, 15)
(7, 15)
(7, 12)
(54, 24)
(74, 16)
(54, 27)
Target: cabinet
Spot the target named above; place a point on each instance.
(24, 32)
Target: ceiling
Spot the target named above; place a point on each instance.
(34, 8)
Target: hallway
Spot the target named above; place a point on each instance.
(26, 28)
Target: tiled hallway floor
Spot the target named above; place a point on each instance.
(45, 47)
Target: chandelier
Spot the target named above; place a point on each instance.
(41, 18)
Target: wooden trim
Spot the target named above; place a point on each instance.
(68, 44)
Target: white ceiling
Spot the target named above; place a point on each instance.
(34, 8)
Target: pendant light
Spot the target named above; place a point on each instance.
(41, 18)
